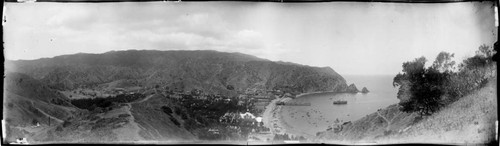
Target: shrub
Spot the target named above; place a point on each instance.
(66, 123)
(34, 122)
(166, 110)
(184, 116)
(59, 128)
(178, 110)
(175, 121)
(230, 87)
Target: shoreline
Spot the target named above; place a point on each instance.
(310, 93)
(320, 92)
(273, 119)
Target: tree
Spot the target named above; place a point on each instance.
(34, 122)
(66, 123)
(495, 48)
(230, 87)
(485, 52)
(444, 62)
(425, 84)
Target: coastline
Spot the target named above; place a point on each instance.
(320, 92)
(273, 119)
(310, 93)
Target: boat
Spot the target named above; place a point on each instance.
(340, 102)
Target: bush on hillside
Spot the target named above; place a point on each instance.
(92, 103)
(66, 123)
(166, 110)
(175, 121)
(59, 128)
(178, 110)
(34, 122)
(440, 84)
(425, 86)
(184, 116)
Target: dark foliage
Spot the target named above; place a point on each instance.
(166, 110)
(438, 85)
(230, 87)
(175, 121)
(59, 128)
(34, 122)
(66, 123)
(178, 110)
(92, 103)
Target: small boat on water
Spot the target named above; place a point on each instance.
(340, 102)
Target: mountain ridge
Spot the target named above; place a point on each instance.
(184, 70)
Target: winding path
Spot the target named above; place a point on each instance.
(140, 101)
(130, 132)
(50, 116)
(388, 122)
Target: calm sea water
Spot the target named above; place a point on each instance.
(322, 112)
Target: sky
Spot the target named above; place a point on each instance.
(353, 38)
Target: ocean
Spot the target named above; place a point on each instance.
(322, 112)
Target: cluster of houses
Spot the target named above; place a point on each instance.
(234, 117)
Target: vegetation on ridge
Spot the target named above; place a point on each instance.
(461, 106)
(441, 83)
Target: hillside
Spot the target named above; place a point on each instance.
(43, 115)
(469, 120)
(141, 96)
(28, 101)
(211, 71)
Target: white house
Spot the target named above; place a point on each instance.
(247, 115)
(20, 141)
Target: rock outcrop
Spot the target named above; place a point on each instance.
(364, 90)
(352, 89)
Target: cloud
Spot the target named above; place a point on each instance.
(100, 28)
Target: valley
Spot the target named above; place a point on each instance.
(205, 108)
(143, 105)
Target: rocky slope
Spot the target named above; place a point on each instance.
(182, 70)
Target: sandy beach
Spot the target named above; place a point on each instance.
(273, 119)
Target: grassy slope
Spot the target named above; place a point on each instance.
(139, 121)
(469, 120)
(25, 100)
(155, 124)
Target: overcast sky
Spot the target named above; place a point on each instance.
(352, 38)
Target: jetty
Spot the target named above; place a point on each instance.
(293, 104)
(340, 102)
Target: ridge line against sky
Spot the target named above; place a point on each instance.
(351, 38)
